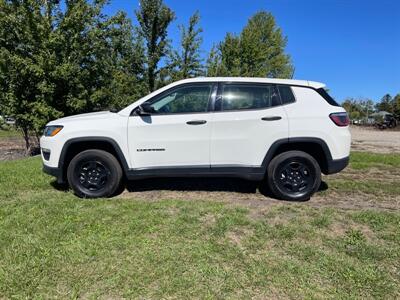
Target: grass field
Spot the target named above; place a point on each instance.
(54, 245)
(9, 133)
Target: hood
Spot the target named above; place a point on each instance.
(83, 117)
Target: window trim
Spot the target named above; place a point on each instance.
(209, 108)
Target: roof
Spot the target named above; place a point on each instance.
(312, 84)
(380, 113)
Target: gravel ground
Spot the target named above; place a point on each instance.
(375, 140)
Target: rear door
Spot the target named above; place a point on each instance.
(248, 119)
(177, 134)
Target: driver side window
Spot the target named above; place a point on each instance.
(186, 99)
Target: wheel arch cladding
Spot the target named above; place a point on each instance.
(73, 146)
(316, 147)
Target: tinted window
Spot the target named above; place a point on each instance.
(183, 100)
(324, 94)
(286, 94)
(239, 97)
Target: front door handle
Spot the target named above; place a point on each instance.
(196, 122)
(271, 118)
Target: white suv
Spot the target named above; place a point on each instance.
(283, 131)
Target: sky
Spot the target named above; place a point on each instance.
(352, 46)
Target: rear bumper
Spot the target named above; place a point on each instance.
(337, 165)
(56, 172)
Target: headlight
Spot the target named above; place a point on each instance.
(52, 130)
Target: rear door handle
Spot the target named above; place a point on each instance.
(271, 118)
(196, 122)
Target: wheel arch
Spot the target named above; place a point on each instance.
(75, 145)
(316, 147)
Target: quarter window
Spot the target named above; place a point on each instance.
(187, 99)
(242, 97)
(286, 94)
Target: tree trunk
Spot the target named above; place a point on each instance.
(151, 78)
(28, 145)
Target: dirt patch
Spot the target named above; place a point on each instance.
(236, 237)
(244, 193)
(12, 148)
(375, 140)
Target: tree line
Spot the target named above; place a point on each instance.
(59, 58)
(361, 109)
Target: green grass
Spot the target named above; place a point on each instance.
(9, 133)
(365, 160)
(376, 188)
(54, 245)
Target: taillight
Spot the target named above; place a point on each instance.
(340, 119)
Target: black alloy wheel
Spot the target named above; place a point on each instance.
(294, 177)
(93, 175)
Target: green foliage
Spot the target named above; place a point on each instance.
(154, 18)
(358, 108)
(386, 104)
(213, 63)
(56, 62)
(390, 104)
(257, 52)
(396, 106)
(187, 62)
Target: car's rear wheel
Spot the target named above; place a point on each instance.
(94, 174)
(293, 175)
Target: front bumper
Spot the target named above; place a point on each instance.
(337, 165)
(56, 172)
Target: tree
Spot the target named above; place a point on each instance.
(154, 17)
(396, 106)
(358, 108)
(59, 59)
(367, 106)
(385, 104)
(187, 62)
(213, 63)
(230, 56)
(25, 64)
(257, 52)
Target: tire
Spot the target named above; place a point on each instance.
(294, 176)
(94, 174)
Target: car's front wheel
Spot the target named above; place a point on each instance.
(94, 174)
(293, 175)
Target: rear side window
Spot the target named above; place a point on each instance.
(244, 97)
(323, 93)
(286, 94)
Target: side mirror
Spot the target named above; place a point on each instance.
(145, 109)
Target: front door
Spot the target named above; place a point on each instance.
(177, 134)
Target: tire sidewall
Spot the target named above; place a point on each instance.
(108, 160)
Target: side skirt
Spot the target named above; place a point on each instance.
(245, 172)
